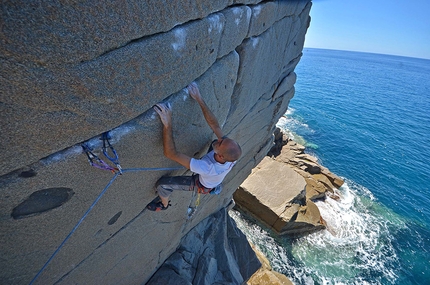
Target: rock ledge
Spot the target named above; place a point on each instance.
(281, 189)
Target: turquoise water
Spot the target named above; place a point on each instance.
(367, 118)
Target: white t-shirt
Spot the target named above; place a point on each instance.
(211, 172)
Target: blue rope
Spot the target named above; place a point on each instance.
(91, 207)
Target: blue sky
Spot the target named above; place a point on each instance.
(398, 27)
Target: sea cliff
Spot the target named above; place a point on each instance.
(72, 71)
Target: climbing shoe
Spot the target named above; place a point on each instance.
(157, 205)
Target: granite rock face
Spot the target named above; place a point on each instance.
(202, 259)
(72, 71)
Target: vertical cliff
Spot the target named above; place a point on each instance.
(73, 70)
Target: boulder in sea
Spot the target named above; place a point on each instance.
(275, 194)
(266, 275)
(319, 179)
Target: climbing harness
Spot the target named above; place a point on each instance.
(97, 162)
(200, 188)
(106, 144)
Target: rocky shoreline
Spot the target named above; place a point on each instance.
(281, 190)
(280, 193)
(320, 182)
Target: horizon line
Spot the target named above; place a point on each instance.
(369, 52)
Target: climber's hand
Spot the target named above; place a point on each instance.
(194, 92)
(165, 113)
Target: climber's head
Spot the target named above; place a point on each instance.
(226, 149)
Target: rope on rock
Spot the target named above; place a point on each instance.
(74, 229)
(99, 163)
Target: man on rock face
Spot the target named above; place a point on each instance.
(211, 168)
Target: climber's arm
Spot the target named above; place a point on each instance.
(168, 143)
(207, 113)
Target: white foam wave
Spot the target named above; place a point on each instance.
(282, 122)
(292, 125)
(355, 243)
(355, 249)
(288, 122)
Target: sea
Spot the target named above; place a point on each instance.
(367, 118)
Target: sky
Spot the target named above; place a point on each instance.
(397, 27)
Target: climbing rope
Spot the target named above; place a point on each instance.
(74, 229)
(97, 162)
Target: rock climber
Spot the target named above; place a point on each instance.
(210, 169)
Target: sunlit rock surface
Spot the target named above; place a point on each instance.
(281, 189)
(276, 195)
(72, 71)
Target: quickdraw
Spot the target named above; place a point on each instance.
(99, 163)
(198, 188)
(106, 144)
(95, 161)
(191, 210)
